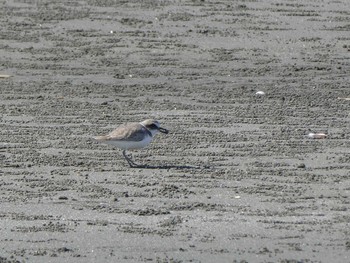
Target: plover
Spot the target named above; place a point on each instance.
(132, 136)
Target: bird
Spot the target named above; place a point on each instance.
(132, 136)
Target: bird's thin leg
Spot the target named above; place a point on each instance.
(128, 159)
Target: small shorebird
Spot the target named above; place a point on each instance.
(132, 136)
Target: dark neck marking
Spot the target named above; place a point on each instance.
(147, 130)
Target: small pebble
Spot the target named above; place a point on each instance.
(260, 93)
(302, 165)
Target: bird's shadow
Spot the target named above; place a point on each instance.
(166, 167)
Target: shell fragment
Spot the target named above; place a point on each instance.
(317, 135)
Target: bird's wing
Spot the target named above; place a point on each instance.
(129, 132)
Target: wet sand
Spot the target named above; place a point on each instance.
(236, 180)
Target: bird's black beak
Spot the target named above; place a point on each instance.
(163, 130)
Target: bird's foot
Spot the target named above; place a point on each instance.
(129, 160)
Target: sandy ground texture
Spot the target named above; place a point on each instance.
(236, 180)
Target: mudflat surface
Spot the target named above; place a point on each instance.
(236, 180)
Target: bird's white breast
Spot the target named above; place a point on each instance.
(126, 145)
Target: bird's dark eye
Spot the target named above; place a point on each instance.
(152, 126)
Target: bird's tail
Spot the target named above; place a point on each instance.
(100, 138)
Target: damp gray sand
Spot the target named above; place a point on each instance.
(236, 180)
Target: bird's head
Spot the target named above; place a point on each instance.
(153, 126)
